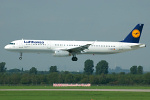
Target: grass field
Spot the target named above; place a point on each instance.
(72, 95)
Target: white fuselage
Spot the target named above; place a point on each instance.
(50, 46)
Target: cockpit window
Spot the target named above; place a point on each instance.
(12, 43)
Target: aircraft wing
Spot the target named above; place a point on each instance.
(77, 49)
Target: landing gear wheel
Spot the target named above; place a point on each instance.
(20, 58)
(74, 58)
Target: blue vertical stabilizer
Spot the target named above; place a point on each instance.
(134, 35)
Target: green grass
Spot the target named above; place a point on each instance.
(92, 87)
(72, 95)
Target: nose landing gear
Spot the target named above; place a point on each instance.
(20, 58)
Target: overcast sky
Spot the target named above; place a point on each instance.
(102, 20)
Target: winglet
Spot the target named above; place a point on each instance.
(134, 35)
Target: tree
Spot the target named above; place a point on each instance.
(140, 70)
(25, 78)
(15, 78)
(147, 78)
(33, 70)
(102, 67)
(69, 78)
(2, 67)
(53, 78)
(53, 69)
(88, 67)
(133, 70)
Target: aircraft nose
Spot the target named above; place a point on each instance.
(6, 47)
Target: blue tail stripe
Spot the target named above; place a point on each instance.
(134, 35)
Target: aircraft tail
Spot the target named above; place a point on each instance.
(134, 35)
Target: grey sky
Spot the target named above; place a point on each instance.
(102, 20)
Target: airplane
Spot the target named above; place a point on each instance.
(62, 48)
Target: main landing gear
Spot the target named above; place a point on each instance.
(74, 58)
(20, 58)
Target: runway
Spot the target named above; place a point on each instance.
(115, 90)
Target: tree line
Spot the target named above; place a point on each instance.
(100, 77)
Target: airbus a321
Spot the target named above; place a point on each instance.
(61, 48)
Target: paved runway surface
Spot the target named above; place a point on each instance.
(121, 90)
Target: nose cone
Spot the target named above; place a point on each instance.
(6, 47)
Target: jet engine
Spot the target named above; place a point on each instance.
(60, 53)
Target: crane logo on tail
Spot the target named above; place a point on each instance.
(136, 33)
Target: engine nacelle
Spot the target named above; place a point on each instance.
(60, 53)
